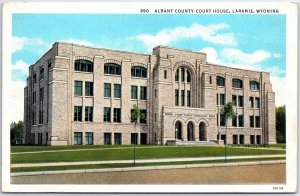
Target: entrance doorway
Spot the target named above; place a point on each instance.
(178, 130)
(143, 138)
(190, 131)
(202, 132)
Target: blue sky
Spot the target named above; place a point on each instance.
(245, 41)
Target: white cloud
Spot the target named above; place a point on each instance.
(237, 56)
(79, 41)
(277, 55)
(20, 43)
(16, 92)
(279, 87)
(21, 66)
(206, 33)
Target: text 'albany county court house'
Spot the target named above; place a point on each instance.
(83, 95)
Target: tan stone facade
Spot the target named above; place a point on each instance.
(72, 87)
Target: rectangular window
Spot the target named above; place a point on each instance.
(188, 98)
(144, 121)
(118, 138)
(234, 123)
(176, 97)
(89, 88)
(143, 93)
(89, 113)
(106, 114)
(241, 120)
(222, 99)
(258, 139)
(235, 139)
(78, 88)
(41, 112)
(165, 74)
(257, 121)
(34, 78)
(155, 93)
(134, 138)
(107, 90)
(155, 117)
(217, 99)
(182, 97)
(251, 121)
(41, 94)
(182, 74)
(89, 138)
(210, 80)
(234, 101)
(77, 138)
(107, 138)
(242, 139)
(241, 101)
(222, 120)
(117, 90)
(252, 139)
(34, 98)
(77, 113)
(134, 91)
(257, 102)
(117, 115)
(42, 73)
(251, 102)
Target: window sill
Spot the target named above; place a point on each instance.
(254, 90)
(115, 75)
(134, 99)
(235, 88)
(89, 96)
(116, 98)
(133, 77)
(80, 96)
(107, 97)
(84, 72)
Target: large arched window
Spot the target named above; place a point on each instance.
(254, 85)
(138, 71)
(188, 76)
(83, 65)
(183, 97)
(220, 81)
(112, 68)
(237, 83)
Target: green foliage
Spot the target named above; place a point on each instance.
(16, 132)
(280, 124)
(125, 153)
(136, 114)
(228, 111)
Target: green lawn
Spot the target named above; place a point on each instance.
(146, 152)
(122, 165)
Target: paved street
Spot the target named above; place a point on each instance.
(248, 174)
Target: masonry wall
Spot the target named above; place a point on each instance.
(58, 125)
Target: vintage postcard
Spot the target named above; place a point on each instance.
(144, 97)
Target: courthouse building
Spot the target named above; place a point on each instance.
(79, 95)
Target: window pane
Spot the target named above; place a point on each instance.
(177, 75)
(182, 74)
(89, 113)
(143, 93)
(89, 90)
(251, 121)
(257, 121)
(77, 113)
(241, 101)
(144, 121)
(133, 92)
(182, 97)
(117, 90)
(257, 102)
(176, 97)
(118, 138)
(77, 138)
(117, 115)
(107, 138)
(89, 138)
(188, 77)
(234, 101)
(106, 117)
(107, 90)
(188, 98)
(78, 88)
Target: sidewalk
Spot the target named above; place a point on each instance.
(143, 160)
(145, 168)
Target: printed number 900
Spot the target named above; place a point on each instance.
(144, 11)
